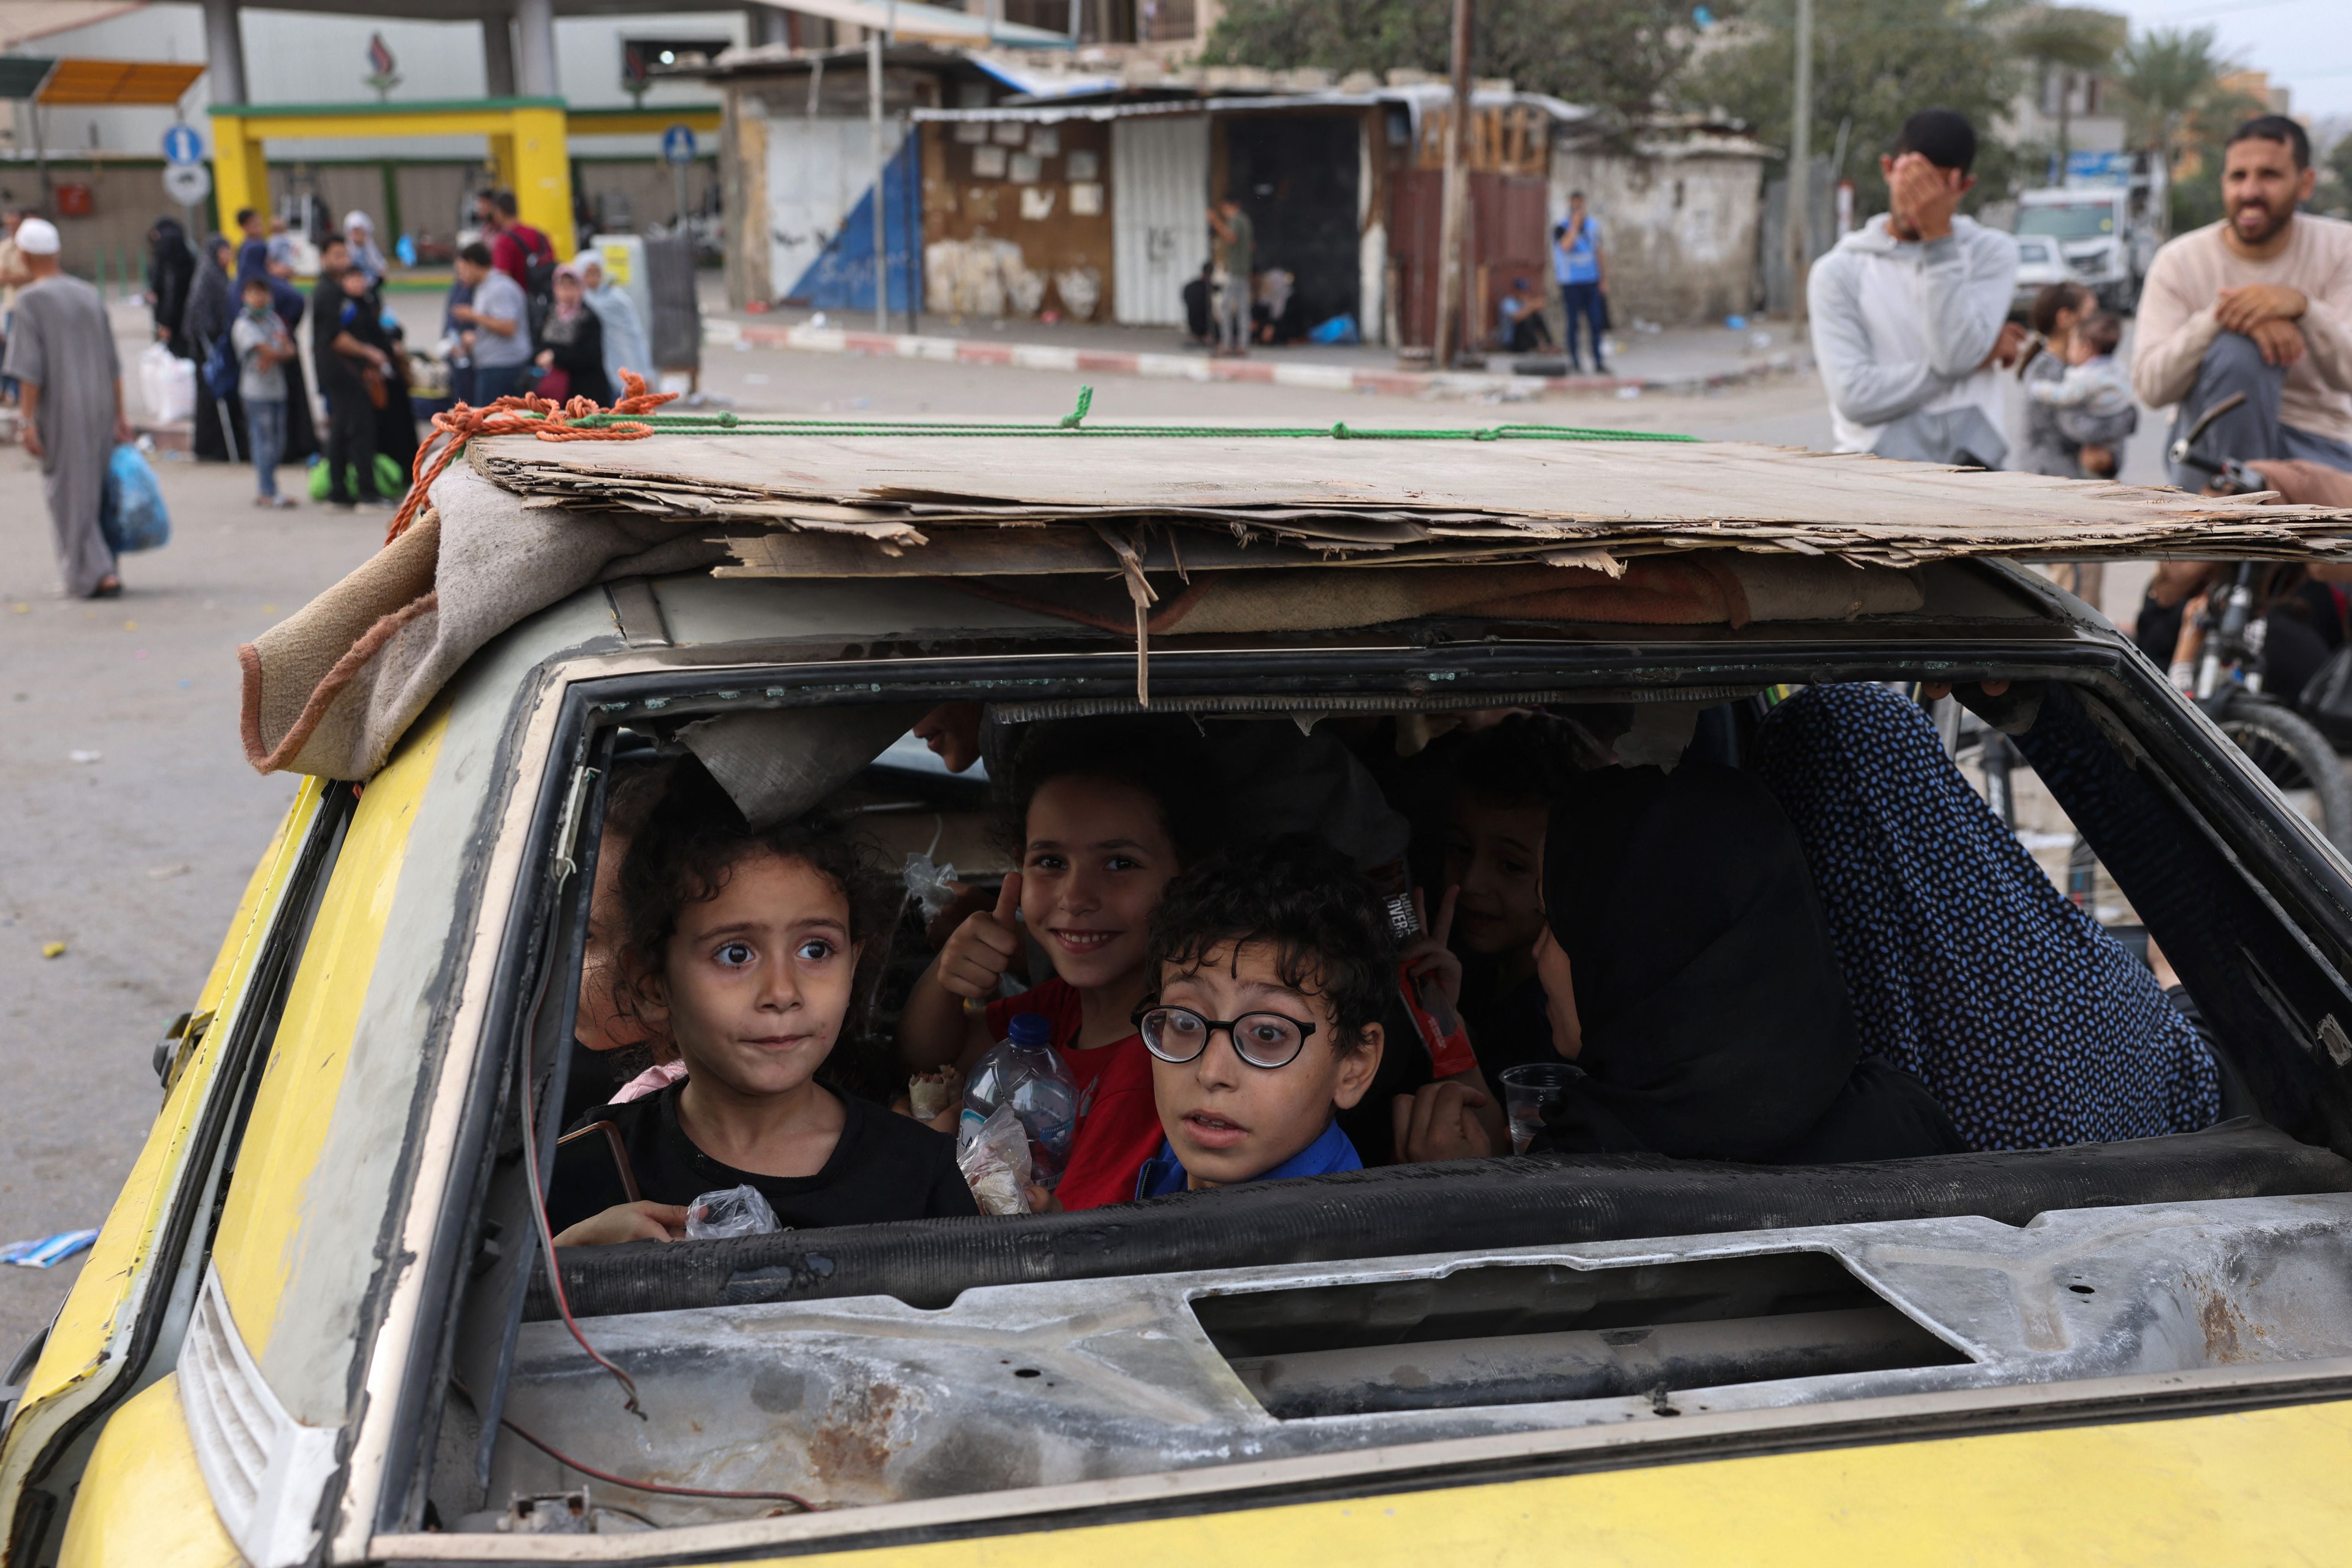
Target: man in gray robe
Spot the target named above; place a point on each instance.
(61, 351)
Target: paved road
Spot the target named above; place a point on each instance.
(135, 860)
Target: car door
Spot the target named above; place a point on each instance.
(133, 1299)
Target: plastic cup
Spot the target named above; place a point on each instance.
(1528, 1089)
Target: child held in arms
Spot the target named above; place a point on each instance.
(1271, 969)
(745, 950)
(1105, 812)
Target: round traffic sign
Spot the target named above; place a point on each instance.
(677, 144)
(182, 145)
(187, 184)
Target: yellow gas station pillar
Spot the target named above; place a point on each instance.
(240, 171)
(541, 166)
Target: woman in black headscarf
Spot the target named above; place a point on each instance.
(212, 309)
(1692, 977)
(170, 268)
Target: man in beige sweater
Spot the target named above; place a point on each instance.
(2259, 303)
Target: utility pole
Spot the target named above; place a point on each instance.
(1454, 198)
(881, 177)
(1801, 166)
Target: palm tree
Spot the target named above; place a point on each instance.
(2071, 41)
(2167, 79)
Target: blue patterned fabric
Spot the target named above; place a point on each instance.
(1966, 966)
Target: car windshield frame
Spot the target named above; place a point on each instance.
(1427, 667)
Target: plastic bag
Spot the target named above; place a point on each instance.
(737, 1211)
(995, 1164)
(168, 382)
(929, 885)
(132, 516)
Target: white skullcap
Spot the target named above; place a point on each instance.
(37, 236)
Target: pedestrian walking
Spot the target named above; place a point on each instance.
(263, 349)
(62, 353)
(359, 238)
(570, 342)
(171, 273)
(495, 326)
(351, 375)
(213, 304)
(624, 332)
(1234, 244)
(2260, 303)
(1582, 273)
(1910, 312)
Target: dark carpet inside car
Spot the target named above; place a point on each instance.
(1403, 1210)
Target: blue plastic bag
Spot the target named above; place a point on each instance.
(133, 517)
(1340, 329)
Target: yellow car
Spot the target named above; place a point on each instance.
(319, 1325)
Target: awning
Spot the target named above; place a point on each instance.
(21, 75)
(87, 82)
(910, 21)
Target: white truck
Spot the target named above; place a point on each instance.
(2101, 230)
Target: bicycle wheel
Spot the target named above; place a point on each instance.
(2293, 754)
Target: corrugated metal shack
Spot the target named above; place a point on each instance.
(1102, 196)
(1085, 197)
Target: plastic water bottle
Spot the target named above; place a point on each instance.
(1025, 1073)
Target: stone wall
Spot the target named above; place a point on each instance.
(1678, 222)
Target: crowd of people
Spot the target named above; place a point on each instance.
(1732, 963)
(516, 320)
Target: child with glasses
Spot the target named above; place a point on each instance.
(1273, 968)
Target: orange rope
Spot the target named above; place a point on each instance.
(511, 415)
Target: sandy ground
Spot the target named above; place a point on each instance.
(134, 858)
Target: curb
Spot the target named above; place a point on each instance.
(722, 332)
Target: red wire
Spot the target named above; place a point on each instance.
(592, 1473)
(539, 1201)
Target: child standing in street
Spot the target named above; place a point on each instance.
(263, 349)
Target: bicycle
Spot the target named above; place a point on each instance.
(2225, 679)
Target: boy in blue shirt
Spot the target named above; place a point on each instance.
(1273, 970)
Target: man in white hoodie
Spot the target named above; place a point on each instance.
(1910, 312)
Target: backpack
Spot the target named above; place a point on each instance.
(538, 272)
(220, 366)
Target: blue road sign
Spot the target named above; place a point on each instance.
(677, 144)
(182, 145)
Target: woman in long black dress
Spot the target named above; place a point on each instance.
(572, 340)
(171, 269)
(212, 310)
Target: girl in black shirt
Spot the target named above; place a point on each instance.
(747, 950)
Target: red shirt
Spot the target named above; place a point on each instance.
(1118, 1121)
(511, 251)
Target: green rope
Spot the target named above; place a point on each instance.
(713, 424)
(1076, 416)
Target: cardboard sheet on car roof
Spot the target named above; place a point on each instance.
(1374, 498)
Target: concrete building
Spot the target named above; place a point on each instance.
(403, 144)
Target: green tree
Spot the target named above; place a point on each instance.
(1619, 54)
(2175, 104)
(2067, 41)
(1876, 62)
(2335, 177)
